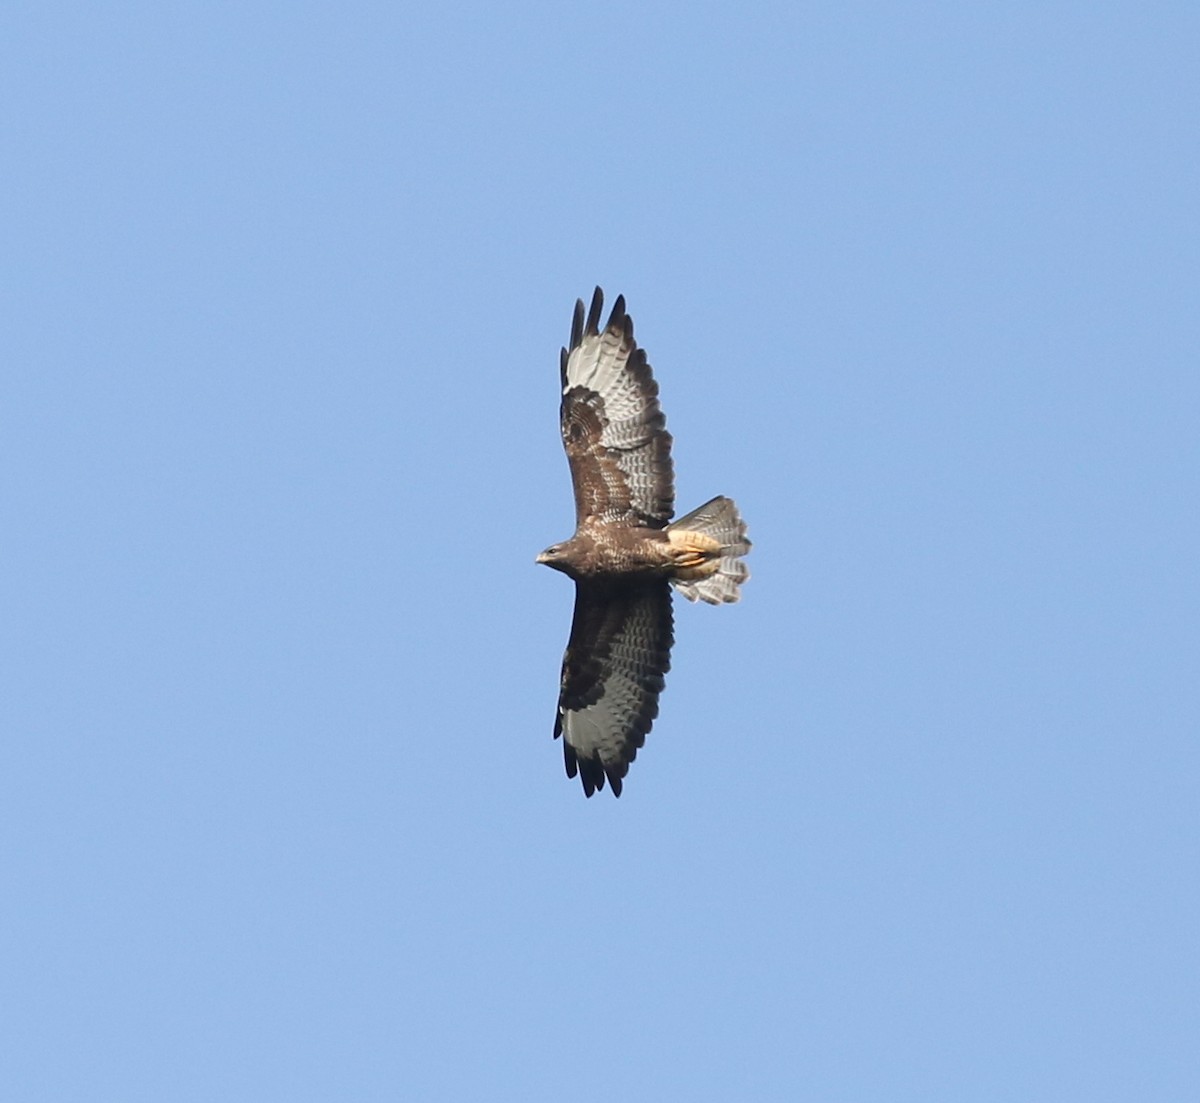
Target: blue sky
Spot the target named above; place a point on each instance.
(283, 291)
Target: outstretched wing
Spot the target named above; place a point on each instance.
(618, 653)
(612, 427)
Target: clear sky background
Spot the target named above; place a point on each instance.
(284, 286)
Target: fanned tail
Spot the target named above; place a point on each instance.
(716, 521)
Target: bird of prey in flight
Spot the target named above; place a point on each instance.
(626, 553)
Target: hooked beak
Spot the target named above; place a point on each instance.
(542, 557)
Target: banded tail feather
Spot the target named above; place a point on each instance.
(717, 534)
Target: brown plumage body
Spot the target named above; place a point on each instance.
(599, 550)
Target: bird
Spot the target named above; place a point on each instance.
(626, 554)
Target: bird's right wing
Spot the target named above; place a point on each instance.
(612, 675)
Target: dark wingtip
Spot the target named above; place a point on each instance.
(593, 318)
(618, 316)
(619, 320)
(591, 773)
(577, 324)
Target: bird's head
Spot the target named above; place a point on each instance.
(554, 556)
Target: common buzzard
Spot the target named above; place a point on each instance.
(625, 555)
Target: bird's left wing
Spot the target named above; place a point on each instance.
(613, 672)
(613, 429)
